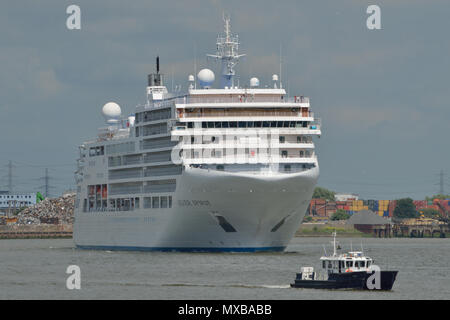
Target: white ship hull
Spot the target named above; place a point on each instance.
(264, 211)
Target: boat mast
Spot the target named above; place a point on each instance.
(227, 52)
(334, 243)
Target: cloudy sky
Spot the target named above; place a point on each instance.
(383, 95)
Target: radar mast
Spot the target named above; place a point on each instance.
(227, 52)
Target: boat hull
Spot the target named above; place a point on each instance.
(350, 280)
(212, 211)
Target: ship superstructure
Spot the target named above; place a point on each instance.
(227, 169)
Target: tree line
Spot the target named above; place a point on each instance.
(404, 208)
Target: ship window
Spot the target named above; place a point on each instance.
(273, 124)
(280, 124)
(250, 124)
(147, 203)
(155, 202)
(233, 124)
(324, 264)
(287, 167)
(284, 154)
(282, 139)
(299, 139)
(266, 124)
(242, 124)
(218, 124)
(136, 203)
(258, 124)
(170, 201)
(362, 264)
(204, 125)
(190, 125)
(164, 203)
(224, 124)
(329, 264)
(210, 124)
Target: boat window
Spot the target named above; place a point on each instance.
(363, 264)
(324, 264)
(329, 264)
(368, 263)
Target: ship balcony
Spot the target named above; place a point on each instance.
(313, 129)
(243, 99)
(241, 159)
(274, 144)
(238, 114)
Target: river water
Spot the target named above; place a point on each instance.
(36, 269)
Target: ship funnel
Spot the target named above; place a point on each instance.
(155, 79)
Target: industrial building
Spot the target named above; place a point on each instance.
(12, 201)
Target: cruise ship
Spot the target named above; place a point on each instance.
(225, 168)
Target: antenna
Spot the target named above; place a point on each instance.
(195, 64)
(227, 52)
(10, 175)
(157, 64)
(325, 250)
(281, 86)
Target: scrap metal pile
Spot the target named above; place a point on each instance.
(49, 211)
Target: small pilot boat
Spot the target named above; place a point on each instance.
(351, 270)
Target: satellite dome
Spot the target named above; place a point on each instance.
(206, 77)
(275, 77)
(254, 82)
(111, 112)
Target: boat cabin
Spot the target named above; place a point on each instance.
(346, 262)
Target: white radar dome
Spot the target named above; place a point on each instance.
(275, 77)
(111, 112)
(254, 82)
(191, 78)
(206, 77)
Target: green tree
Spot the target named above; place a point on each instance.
(430, 212)
(340, 215)
(322, 193)
(438, 196)
(405, 209)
